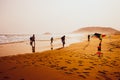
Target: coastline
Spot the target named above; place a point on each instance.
(75, 62)
(24, 47)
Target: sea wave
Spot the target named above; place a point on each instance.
(10, 38)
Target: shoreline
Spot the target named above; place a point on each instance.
(75, 62)
(23, 47)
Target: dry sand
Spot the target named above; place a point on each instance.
(76, 62)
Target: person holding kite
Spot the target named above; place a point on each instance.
(99, 50)
(100, 36)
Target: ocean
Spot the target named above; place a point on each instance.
(14, 44)
(11, 38)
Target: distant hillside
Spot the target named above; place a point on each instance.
(106, 30)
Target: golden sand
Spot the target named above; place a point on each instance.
(76, 62)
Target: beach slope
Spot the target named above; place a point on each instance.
(78, 61)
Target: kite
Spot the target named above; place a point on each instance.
(98, 35)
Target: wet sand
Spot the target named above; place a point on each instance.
(24, 47)
(75, 62)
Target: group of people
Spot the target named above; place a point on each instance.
(62, 40)
(32, 42)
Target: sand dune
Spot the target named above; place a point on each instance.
(76, 62)
(94, 29)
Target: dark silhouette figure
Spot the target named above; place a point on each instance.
(63, 40)
(99, 47)
(88, 37)
(51, 40)
(99, 50)
(32, 42)
(51, 43)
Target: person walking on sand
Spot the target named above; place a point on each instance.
(32, 42)
(99, 47)
(63, 40)
(88, 37)
(51, 43)
(51, 40)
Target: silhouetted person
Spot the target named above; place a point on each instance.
(99, 47)
(51, 43)
(32, 42)
(99, 50)
(51, 40)
(88, 37)
(63, 40)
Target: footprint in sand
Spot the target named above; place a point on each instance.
(94, 64)
(63, 67)
(42, 64)
(87, 68)
(73, 69)
(91, 67)
(53, 66)
(78, 72)
(105, 71)
(76, 56)
(104, 75)
(114, 63)
(70, 56)
(86, 73)
(108, 65)
(60, 58)
(80, 63)
(102, 72)
(6, 77)
(108, 57)
(98, 78)
(82, 76)
(68, 72)
(50, 62)
(69, 62)
(117, 74)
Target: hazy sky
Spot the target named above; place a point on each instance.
(38, 16)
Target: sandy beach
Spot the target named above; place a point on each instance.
(75, 62)
(23, 47)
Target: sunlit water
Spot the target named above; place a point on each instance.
(9, 38)
(42, 41)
